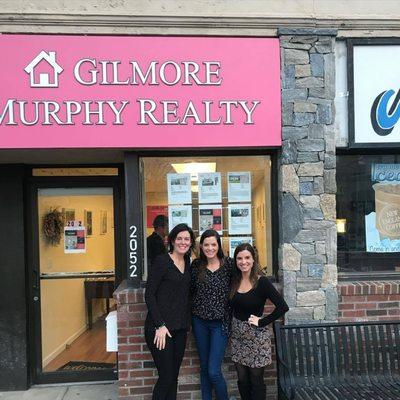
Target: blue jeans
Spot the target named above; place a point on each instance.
(211, 344)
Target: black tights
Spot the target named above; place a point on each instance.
(249, 376)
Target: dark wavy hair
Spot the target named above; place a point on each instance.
(175, 231)
(202, 260)
(237, 273)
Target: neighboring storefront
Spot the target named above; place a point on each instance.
(368, 202)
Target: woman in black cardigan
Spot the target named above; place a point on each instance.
(167, 299)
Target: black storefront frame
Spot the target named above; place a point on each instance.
(134, 215)
(36, 375)
(373, 275)
(365, 148)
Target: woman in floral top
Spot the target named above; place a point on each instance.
(210, 282)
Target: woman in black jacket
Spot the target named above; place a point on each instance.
(251, 337)
(167, 299)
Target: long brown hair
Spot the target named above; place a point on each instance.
(202, 260)
(237, 273)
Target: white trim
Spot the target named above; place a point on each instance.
(63, 346)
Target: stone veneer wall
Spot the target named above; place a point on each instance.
(307, 175)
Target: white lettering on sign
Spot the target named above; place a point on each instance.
(170, 112)
(91, 71)
(133, 244)
(48, 112)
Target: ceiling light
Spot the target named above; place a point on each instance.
(193, 168)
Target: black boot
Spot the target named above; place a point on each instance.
(259, 392)
(244, 390)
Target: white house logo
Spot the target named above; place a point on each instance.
(44, 70)
(384, 116)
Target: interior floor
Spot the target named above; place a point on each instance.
(88, 347)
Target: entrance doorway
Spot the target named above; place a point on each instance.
(75, 268)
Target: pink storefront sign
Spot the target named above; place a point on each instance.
(139, 92)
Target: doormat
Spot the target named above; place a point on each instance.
(85, 366)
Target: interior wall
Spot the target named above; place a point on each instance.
(259, 234)
(63, 321)
(99, 254)
(13, 326)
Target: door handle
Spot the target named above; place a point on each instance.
(35, 298)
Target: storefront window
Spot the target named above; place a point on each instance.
(368, 212)
(229, 194)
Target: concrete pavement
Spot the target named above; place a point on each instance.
(103, 391)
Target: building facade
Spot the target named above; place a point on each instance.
(321, 171)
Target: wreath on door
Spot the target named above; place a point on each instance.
(53, 226)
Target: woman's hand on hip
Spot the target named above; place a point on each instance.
(160, 337)
(253, 320)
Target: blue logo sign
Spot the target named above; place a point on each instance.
(383, 118)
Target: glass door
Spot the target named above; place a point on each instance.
(73, 284)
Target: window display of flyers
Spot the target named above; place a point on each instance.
(210, 187)
(235, 241)
(179, 189)
(179, 215)
(74, 238)
(239, 186)
(239, 219)
(210, 217)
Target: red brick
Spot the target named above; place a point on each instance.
(346, 306)
(150, 381)
(141, 373)
(358, 313)
(141, 390)
(374, 313)
(394, 297)
(128, 348)
(136, 339)
(365, 306)
(389, 318)
(391, 304)
(354, 299)
(189, 370)
(377, 297)
(395, 311)
(123, 374)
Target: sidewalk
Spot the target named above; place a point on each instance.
(104, 391)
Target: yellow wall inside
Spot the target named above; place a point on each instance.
(63, 308)
(261, 220)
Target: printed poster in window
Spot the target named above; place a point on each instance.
(210, 217)
(210, 187)
(179, 189)
(382, 226)
(74, 238)
(239, 186)
(239, 219)
(235, 241)
(179, 215)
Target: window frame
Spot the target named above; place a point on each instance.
(372, 275)
(135, 188)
